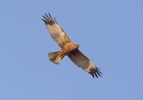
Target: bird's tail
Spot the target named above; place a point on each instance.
(53, 56)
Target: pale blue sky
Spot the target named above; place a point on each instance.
(110, 33)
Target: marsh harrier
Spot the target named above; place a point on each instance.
(68, 48)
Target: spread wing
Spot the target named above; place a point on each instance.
(83, 62)
(56, 32)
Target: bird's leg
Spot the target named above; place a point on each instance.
(60, 55)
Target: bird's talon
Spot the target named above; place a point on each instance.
(59, 57)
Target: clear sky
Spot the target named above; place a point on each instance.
(110, 33)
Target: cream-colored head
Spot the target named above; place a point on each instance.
(76, 45)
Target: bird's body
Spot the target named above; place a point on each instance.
(68, 48)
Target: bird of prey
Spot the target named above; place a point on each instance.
(68, 48)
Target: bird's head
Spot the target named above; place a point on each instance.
(77, 45)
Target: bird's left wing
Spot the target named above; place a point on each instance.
(56, 32)
(83, 62)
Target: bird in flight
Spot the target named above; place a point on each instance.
(68, 48)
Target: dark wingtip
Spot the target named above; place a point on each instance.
(95, 72)
(46, 14)
(44, 21)
(92, 75)
(98, 73)
(47, 18)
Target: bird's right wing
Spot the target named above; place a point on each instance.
(83, 62)
(56, 32)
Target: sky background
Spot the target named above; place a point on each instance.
(110, 33)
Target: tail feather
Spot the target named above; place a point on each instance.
(53, 56)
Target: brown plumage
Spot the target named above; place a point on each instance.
(68, 48)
